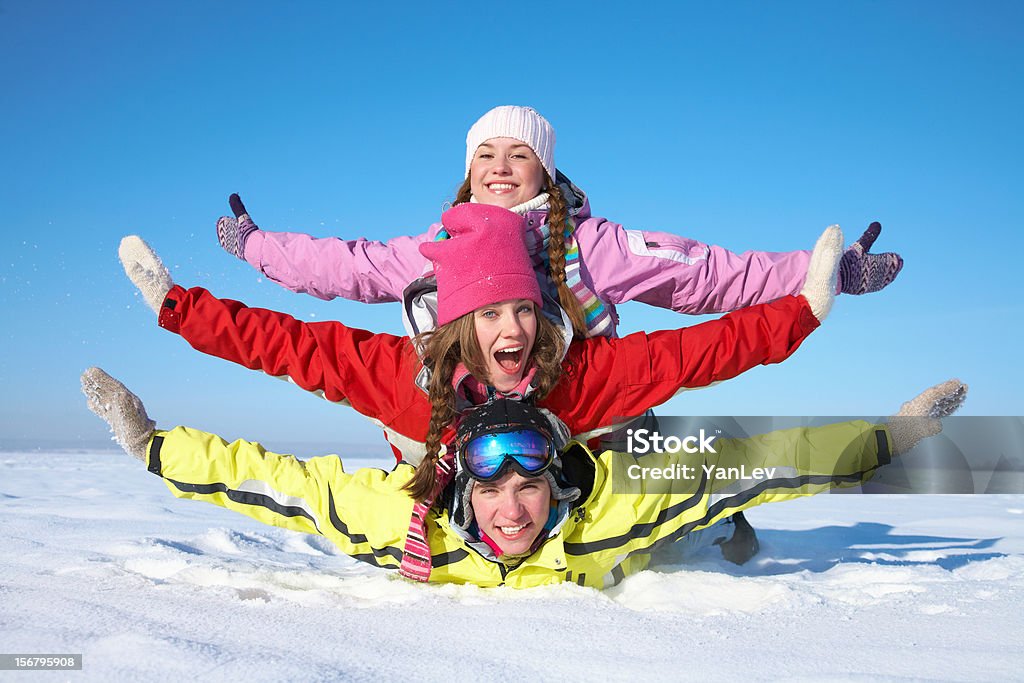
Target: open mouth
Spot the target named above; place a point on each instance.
(501, 188)
(513, 532)
(510, 359)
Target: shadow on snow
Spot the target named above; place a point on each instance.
(822, 548)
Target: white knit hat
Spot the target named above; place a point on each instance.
(520, 123)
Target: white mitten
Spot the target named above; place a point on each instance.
(823, 271)
(119, 408)
(144, 268)
(921, 416)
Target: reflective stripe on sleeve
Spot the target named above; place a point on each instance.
(257, 493)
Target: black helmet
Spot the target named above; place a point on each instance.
(500, 416)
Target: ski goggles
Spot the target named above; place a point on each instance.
(487, 457)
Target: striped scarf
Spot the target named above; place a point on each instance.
(416, 558)
(598, 317)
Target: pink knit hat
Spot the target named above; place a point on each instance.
(484, 260)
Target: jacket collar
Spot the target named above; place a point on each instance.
(469, 387)
(538, 202)
(584, 470)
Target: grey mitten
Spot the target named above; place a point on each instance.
(861, 272)
(146, 271)
(232, 233)
(822, 271)
(921, 416)
(121, 409)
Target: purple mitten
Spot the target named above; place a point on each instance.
(233, 232)
(861, 272)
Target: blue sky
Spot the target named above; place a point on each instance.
(749, 125)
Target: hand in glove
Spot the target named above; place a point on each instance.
(861, 272)
(820, 285)
(233, 232)
(921, 416)
(146, 271)
(121, 409)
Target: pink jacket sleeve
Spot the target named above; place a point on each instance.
(328, 267)
(684, 275)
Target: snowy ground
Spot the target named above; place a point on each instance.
(99, 559)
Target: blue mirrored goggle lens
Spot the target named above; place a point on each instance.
(486, 455)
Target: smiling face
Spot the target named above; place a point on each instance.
(505, 172)
(506, 333)
(512, 511)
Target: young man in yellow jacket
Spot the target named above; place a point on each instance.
(519, 508)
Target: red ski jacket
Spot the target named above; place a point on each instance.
(605, 382)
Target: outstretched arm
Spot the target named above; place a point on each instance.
(731, 475)
(328, 267)
(345, 364)
(687, 276)
(739, 474)
(364, 514)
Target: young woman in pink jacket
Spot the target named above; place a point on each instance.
(589, 263)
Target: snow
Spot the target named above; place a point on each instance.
(100, 559)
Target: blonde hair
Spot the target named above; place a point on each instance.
(558, 222)
(443, 349)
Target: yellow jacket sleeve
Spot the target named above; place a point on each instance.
(365, 514)
(644, 502)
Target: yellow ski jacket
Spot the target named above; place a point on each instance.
(629, 506)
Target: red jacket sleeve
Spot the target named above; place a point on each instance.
(374, 373)
(608, 379)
